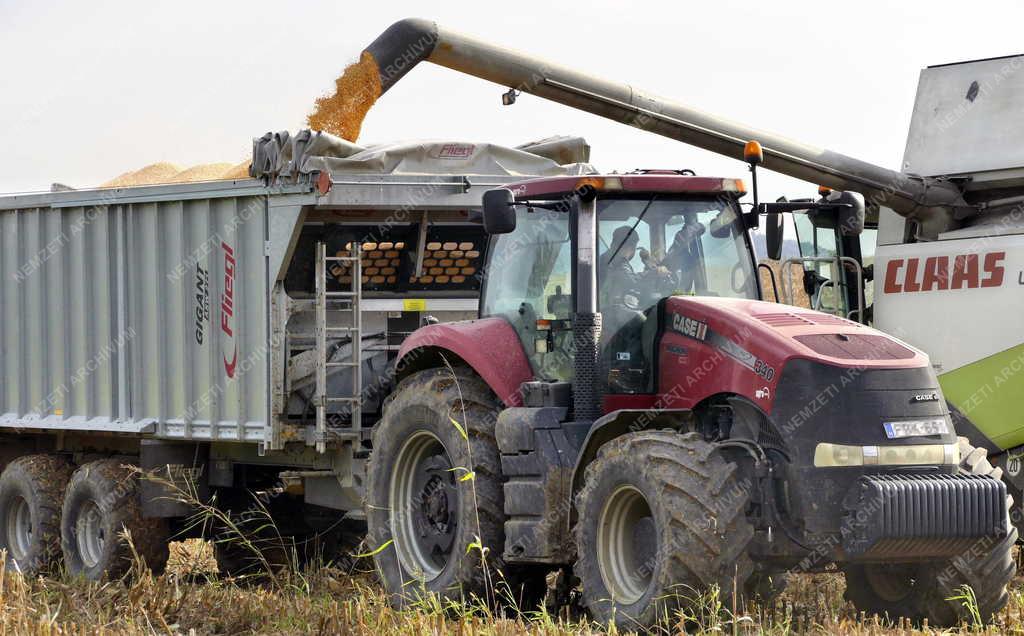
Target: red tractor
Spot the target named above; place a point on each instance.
(628, 409)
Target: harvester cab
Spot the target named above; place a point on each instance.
(831, 257)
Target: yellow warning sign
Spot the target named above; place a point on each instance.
(414, 304)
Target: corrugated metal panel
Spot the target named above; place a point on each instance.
(142, 316)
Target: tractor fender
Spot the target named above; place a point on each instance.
(617, 423)
(490, 346)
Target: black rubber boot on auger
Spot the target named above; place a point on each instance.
(661, 522)
(935, 591)
(434, 508)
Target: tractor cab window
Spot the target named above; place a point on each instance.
(529, 283)
(650, 248)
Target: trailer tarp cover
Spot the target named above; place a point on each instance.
(285, 156)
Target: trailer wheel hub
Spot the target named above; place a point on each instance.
(19, 528)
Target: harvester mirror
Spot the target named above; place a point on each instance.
(850, 217)
(499, 211)
(773, 232)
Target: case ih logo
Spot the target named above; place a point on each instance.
(936, 273)
(227, 309)
(690, 327)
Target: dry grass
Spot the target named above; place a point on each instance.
(191, 599)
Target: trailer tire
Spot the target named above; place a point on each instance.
(661, 519)
(443, 478)
(31, 496)
(101, 502)
(928, 591)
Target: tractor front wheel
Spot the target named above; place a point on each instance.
(661, 524)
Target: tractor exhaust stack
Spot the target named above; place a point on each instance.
(934, 203)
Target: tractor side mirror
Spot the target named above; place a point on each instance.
(499, 211)
(773, 232)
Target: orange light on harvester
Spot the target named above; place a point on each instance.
(543, 324)
(752, 153)
(824, 190)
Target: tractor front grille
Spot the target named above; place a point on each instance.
(923, 516)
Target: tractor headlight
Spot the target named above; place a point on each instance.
(832, 455)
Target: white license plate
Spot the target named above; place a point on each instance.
(916, 428)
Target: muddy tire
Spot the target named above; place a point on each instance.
(929, 590)
(424, 513)
(660, 521)
(31, 496)
(101, 502)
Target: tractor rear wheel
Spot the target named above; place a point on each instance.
(661, 521)
(934, 591)
(434, 511)
(31, 495)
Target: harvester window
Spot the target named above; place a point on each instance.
(529, 283)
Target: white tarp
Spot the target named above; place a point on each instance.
(281, 155)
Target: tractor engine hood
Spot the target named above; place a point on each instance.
(726, 345)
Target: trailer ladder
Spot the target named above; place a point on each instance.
(345, 302)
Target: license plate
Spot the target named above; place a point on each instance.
(915, 428)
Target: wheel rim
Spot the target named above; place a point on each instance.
(424, 503)
(890, 582)
(89, 534)
(626, 545)
(19, 528)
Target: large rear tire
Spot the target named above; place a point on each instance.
(932, 590)
(101, 502)
(434, 507)
(661, 521)
(31, 496)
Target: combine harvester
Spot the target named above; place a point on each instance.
(657, 433)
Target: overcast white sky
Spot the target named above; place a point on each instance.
(94, 89)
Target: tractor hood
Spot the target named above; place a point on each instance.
(726, 345)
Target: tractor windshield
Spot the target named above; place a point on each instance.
(651, 248)
(648, 249)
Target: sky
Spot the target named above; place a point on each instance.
(92, 90)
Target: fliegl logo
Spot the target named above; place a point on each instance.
(940, 273)
(227, 311)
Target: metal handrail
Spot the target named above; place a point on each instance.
(836, 263)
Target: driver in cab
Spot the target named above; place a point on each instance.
(614, 268)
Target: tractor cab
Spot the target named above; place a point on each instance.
(646, 236)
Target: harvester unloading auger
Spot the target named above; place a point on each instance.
(933, 203)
